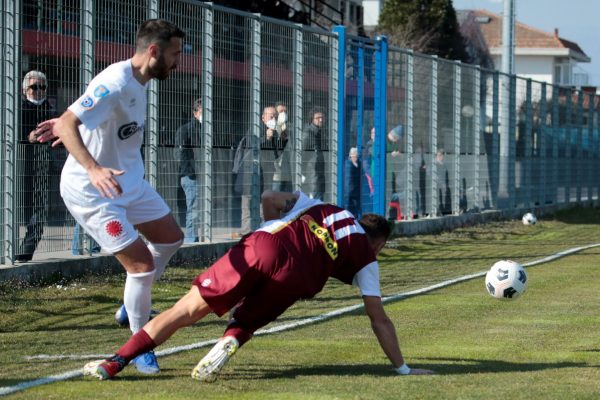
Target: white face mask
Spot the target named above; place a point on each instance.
(36, 102)
(282, 118)
(199, 118)
(271, 124)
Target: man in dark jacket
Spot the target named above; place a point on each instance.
(187, 138)
(34, 160)
(313, 158)
(248, 171)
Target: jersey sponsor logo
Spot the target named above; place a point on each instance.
(101, 91)
(87, 102)
(114, 228)
(206, 282)
(330, 245)
(128, 130)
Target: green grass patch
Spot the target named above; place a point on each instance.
(544, 345)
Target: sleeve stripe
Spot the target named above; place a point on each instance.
(331, 219)
(347, 231)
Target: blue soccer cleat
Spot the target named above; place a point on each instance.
(123, 319)
(121, 316)
(146, 363)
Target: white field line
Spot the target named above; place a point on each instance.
(277, 328)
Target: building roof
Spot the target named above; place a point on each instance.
(528, 40)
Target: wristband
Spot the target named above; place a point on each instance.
(403, 369)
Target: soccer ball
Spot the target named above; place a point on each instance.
(506, 280)
(529, 219)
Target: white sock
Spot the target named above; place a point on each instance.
(161, 254)
(137, 298)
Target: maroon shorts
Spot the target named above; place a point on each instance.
(259, 276)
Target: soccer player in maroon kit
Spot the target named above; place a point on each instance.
(302, 243)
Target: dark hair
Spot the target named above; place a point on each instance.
(280, 103)
(375, 226)
(314, 111)
(197, 104)
(156, 31)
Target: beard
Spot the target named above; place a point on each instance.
(161, 70)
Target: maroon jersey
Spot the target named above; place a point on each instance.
(286, 260)
(328, 241)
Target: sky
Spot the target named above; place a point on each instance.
(576, 20)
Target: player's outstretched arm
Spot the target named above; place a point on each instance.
(274, 204)
(66, 129)
(384, 330)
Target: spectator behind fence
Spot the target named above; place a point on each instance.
(248, 181)
(352, 182)
(443, 183)
(35, 163)
(368, 163)
(187, 138)
(313, 162)
(280, 143)
(398, 171)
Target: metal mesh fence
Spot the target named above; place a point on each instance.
(258, 103)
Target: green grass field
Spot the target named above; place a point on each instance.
(544, 345)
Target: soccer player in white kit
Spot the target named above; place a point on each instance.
(102, 182)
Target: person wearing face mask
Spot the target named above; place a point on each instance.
(35, 158)
(277, 140)
(187, 138)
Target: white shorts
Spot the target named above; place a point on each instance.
(111, 222)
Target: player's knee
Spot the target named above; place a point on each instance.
(165, 250)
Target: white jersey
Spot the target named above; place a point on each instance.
(112, 112)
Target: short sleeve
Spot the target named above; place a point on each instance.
(367, 280)
(95, 106)
(302, 203)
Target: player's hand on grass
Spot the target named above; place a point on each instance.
(104, 180)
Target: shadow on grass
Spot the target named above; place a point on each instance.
(471, 365)
(449, 367)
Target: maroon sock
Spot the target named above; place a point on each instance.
(240, 334)
(139, 343)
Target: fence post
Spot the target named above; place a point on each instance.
(590, 149)
(11, 112)
(360, 96)
(340, 73)
(255, 43)
(554, 144)
(298, 109)
(543, 146)
(433, 140)
(568, 167)
(512, 144)
(152, 129)
(3, 145)
(578, 162)
(477, 82)
(495, 165)
(206, 180)
(457, 192)
(380, 124)
(526, 169)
